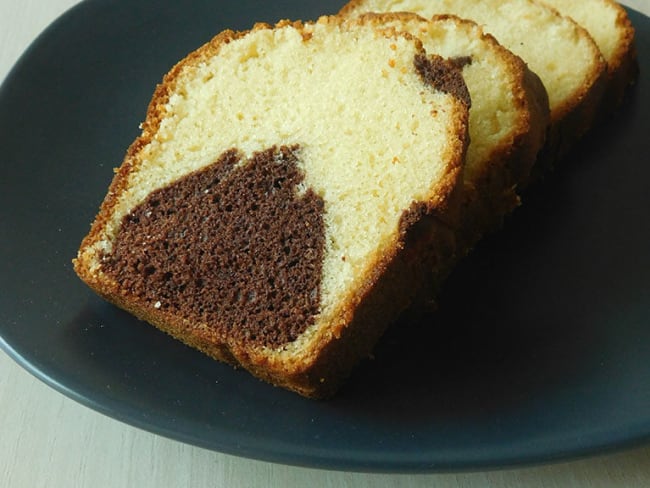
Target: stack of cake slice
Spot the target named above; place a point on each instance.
(295, 187)
(287, 186)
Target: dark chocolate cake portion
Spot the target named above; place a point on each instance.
(444, 75)
(234, 246)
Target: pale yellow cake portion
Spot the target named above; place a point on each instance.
(609, 25)
(352, 133)
(557, 49)
(508, 119)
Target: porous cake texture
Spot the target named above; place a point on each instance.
(557, 49)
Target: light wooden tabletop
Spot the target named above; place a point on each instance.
(48, 440)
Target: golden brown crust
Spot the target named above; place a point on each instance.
(360, 321)
(625, 47)
(622, 66)
(349, 9)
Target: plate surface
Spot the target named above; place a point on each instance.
(540, 349)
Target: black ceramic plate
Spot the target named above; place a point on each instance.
(540, 350)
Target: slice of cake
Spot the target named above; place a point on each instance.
(287, 187)
(557, 49)
(508, 118)
(609, 25)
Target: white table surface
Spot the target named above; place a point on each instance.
(48, 440)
